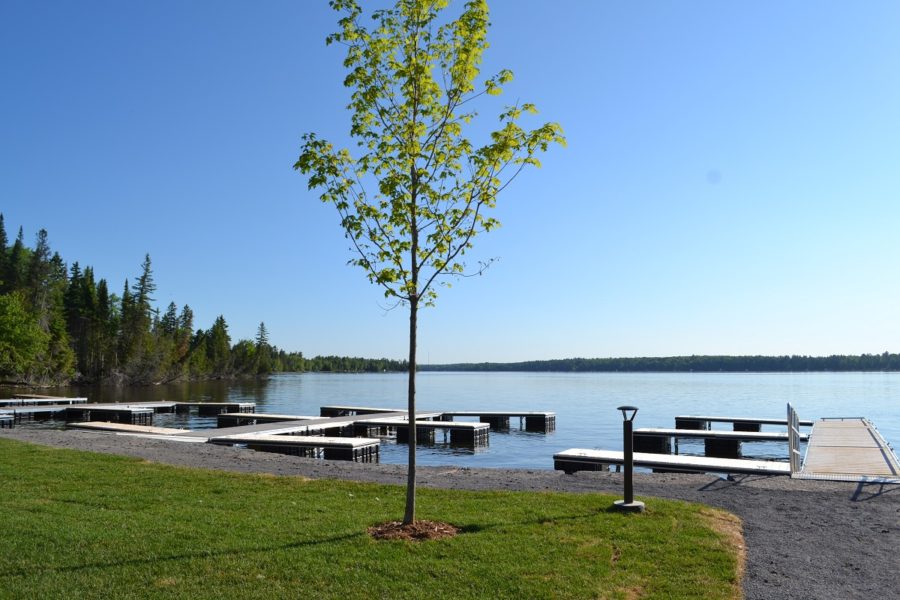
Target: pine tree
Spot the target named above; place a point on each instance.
(75, 315)
(4, 257)
(106, 329)
(38, 279)
(144, 286)
(183, 335)
(263, 350)
(15, 266)
(169, 321)
(218, 348)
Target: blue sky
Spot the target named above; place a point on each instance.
(730, 185)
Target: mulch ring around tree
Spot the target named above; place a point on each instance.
(414, 532)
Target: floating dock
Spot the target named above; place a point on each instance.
(849, 449)
(351, 411)
(7, 420)
(329, 448)
(461, 434)
(577, 459)
(738, 423)
(238, 419)
(211, 409)
(537, 421)
(128, 428)
(77, 411)
(115, 414)
(341, 433)
(716, 443)
(34, 400)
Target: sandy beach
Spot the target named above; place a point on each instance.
(805, 539)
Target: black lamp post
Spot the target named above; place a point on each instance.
(628, 504)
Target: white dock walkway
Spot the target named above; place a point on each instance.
(578, 459)
(849, 450)
(127, 428)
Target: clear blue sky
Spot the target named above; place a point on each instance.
(731, 183)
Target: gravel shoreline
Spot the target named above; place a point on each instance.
(805, 539)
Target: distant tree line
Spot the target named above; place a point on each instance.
(59, 323)
(347, 364)
(687, 364)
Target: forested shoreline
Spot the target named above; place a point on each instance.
(60, 324)
(687, 364)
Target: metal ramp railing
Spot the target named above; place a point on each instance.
(793, 439)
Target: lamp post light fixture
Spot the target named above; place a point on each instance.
(628, 504)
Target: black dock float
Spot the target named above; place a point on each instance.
(655, 444)
(541, 423)
(424, 435)
(7, 421)
(691, 423)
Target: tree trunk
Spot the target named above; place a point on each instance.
(410, 515)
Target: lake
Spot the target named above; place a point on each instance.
(585, 404)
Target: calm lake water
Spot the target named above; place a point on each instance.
(584, 403)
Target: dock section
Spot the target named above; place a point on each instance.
(461, 434)
(849, 449)
(351, 411)
(717, 443)
(737, 423)
(329, 448)
(35, 400)
(211, 409)
(77, 411)
(238, 419)
(536, 421)
(128, 428)
(577, 459)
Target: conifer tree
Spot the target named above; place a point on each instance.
(263, 350)
(183, 334)
(169, 321)
(38, 279)
(4, 257)
(15, 267)
(218, 348)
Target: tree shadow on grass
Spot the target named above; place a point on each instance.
(544, 520)
(43, 570)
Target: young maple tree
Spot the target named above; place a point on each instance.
(418, 192)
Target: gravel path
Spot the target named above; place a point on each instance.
(805, 539)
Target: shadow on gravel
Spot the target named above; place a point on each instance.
(868, 491)
(733, 480)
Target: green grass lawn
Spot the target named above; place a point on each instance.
(82, 525)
